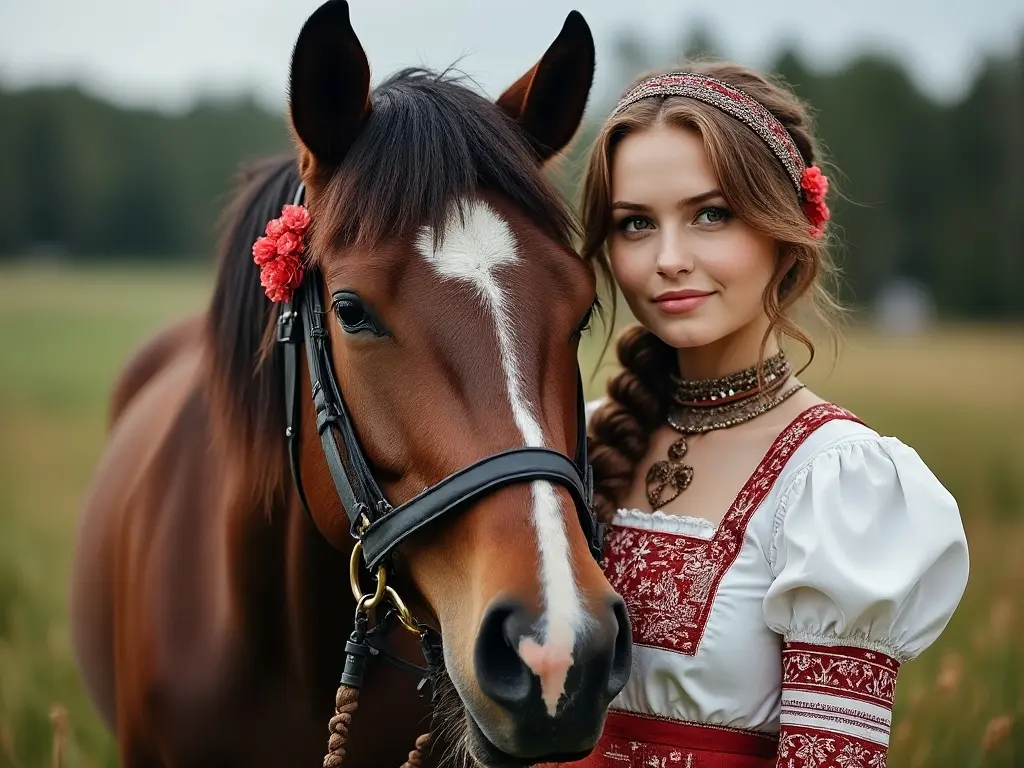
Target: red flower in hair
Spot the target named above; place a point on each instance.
(279, 253)
(815, 187)
(815, 183)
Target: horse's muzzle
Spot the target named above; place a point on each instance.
(551, 709)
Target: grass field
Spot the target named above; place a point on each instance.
(955, 395)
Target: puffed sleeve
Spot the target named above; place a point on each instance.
(870, 561)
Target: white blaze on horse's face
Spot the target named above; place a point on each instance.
(475, 249)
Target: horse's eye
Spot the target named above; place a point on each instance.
(352, 315)
(585, 322)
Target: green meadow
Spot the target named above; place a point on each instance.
(954, 394)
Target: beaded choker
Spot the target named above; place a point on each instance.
(704, 406)
(736, 385)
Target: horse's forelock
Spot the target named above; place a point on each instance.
(430, 143)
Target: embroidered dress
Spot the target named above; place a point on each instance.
(775, 638)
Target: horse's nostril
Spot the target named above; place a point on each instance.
(501, 673)
(622, 657)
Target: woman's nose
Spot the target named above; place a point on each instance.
(674, 257)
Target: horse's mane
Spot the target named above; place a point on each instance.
(245, 375)
(429, 143)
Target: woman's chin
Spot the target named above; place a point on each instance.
(686, 333)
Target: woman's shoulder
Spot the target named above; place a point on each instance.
(862, 531)
(838, 444)
(841, 457)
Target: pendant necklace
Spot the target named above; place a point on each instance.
(710, 404)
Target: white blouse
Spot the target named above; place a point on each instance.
(841, 558)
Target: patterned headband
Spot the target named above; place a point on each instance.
(810, 183)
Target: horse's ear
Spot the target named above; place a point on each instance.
(548, 101)
(329, 84)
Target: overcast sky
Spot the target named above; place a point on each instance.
(165, 52)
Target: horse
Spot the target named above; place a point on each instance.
(248, 495)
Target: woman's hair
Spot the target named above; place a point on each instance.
(761, 194)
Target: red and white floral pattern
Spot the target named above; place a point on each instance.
(851, 672)
(809, 748)
(669, 581)
(632, 740)
(614, 752)
(836, 707)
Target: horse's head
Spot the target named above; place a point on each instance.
(456, 302)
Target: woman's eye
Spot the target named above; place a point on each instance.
(633, 224)
(713, 215)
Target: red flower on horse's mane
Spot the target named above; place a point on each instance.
(279, 253)
(263, 250)
(281, 276)
(815, 187)
(295, 218)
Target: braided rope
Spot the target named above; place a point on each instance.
(357, 652)
(418, 755)
(345, 703)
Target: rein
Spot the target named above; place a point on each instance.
(379, 528)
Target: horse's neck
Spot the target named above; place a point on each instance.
(291, 582)
(318, 602)
(291, 587)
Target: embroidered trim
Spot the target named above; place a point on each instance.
(854, 673)
(636, 740)
(772, 737)
(842, 719)
(814, 748)
(836, 706)
(668, 580)
(853, 639)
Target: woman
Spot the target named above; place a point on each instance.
(780, 559)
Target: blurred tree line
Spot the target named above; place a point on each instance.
(928, 191)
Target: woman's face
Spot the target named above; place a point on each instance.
(691, 272)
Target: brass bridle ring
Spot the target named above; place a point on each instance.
(402, 610)
(357, 591)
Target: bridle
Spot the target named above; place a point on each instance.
(377, 526)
